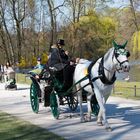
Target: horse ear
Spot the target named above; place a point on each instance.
(123, 46)
(115, 44)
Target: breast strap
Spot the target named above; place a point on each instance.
(89, 72)
(104, 78)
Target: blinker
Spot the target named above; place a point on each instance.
(128, 54)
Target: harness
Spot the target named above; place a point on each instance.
(104, 78)
(89, 73)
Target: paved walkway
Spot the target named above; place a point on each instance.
(123, 116)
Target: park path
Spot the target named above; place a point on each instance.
(123, 116)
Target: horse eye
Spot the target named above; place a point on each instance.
(128, 54)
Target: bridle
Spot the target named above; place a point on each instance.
(118, 52)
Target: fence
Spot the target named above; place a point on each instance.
(129, 91)
(22, 78)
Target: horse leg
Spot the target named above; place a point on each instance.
(99, 118)
(88, 117)
(81, 110)
(102, 113)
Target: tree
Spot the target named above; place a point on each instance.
(136, 35)
(18, 9)
(5, 34)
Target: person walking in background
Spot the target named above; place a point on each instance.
(2, 72)
(7, 69)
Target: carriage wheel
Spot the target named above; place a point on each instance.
(34, 98)
(54, 104)
(73, 101)
(94, 105)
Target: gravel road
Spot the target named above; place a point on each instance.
(123, 116)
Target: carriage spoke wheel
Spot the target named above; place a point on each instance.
(94, 105)
(54, 104)
(73, 101)
(34, 98)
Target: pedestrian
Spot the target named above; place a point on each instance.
(7, 70)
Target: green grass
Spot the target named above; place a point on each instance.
(12, 128)
(126, 89)
(22, 78)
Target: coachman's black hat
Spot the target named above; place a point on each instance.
(61, 42)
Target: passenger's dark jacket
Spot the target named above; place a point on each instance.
(57, 58)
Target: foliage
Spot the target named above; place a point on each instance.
(34, 59)
(22, 63)
(28, 28)
(94, 35)
(136, 44)
(44, 58)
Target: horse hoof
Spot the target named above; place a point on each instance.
(109, 129)
(87, 118)
(82, 120)
(100, 123)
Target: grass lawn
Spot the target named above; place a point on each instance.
(22, 78)
(127, 90)
(12, 128)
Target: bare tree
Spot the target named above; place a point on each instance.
(3, 45)
(8, 40)
(53, 19)
(18, 9)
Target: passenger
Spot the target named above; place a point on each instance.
(60, 60)
(77, 60)
(39, 65)
(38, 68)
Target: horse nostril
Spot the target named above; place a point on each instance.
(126, 68)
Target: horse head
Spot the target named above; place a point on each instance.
(121, 57)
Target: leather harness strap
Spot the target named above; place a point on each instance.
(104, 78)
(89, 72)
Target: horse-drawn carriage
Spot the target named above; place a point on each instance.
(97, 84)
(49, 90)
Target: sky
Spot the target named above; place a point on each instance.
(119, 3)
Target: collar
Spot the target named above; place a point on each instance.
(104, 78)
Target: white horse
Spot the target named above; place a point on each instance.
(116, 59)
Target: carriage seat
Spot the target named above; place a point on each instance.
(64, 76)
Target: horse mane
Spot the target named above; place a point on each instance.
(82, 61)
(109, 52)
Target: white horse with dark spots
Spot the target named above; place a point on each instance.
(104, 69)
